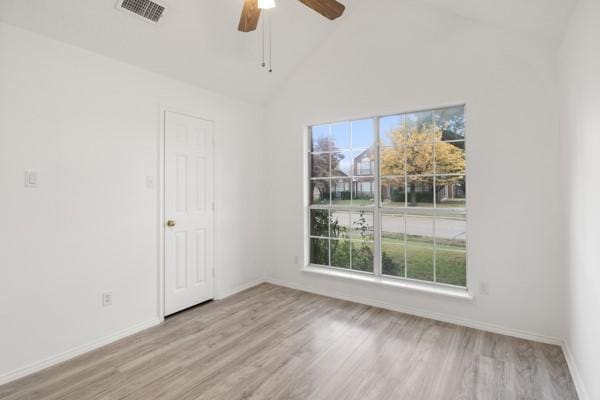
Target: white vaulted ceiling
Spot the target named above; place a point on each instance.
(198, 41)
(544, 18)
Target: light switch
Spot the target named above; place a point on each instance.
(31, 179)
(150, 182)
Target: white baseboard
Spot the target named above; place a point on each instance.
(425, 314)
(240, 288)
(577, 379)
(48, 362)
(67, 355)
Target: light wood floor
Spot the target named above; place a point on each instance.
(276, 343)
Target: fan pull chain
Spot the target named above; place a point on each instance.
(270, 45)
(264, 64)
(264, 42)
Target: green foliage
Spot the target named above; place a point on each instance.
(398, 196)
(450, 255)
(392, 260)
(320, 192)
(362, 255)
(413, 197)
(319, 223)
(319, 251)
(340, 253)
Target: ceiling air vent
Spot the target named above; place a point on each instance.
(146, 9)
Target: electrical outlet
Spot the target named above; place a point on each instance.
(484, 288)
(107, 299)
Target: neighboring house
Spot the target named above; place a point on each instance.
(362, 183)
(363, 165)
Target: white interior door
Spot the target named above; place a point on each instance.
(189, 211)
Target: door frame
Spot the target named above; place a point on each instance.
(160, 184)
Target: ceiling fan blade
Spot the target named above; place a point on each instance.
(328, 8)
(250, 15)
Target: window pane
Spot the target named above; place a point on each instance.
(319, 137)
(419, 127)
(392, 161)
(340, 136)
(419, 262)
(319, 251)
(393, 228)
(419, 230)
(450, 123)
(391, 130)
(319, 191)
(393, 192)
(451, 191)
(340, 194)
(420, 191)
(392, 259)
(319, 223)
(362, 255)
(362, 225)
(419, 159)
(451, 232)
(363, 135)
(392, 245)
(341, 164)
(319, 164)
(340, 224)
(422, 166)
(451, 267)
(363, 191)
(449, 158)
(340, 253)
(363, 162)
(419, 247)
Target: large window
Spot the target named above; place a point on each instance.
(388, 196)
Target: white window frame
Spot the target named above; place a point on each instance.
(378, 210)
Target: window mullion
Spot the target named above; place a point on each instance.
(434, 216)
(377, 267)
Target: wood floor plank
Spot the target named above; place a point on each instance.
(271, 342)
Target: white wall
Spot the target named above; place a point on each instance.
(580, 83)
(391, 56)
(90, 126)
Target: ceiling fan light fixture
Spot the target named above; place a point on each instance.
(266, 4)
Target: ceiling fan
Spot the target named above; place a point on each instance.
(330, 9)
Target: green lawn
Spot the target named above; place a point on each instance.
(450, 259)
(356, 202)
(445, 204)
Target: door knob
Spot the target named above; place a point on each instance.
(171, 223)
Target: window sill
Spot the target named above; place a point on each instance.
(458, 293)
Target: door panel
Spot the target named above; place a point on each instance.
(189, 203)
(200, 263)
(200, 183)
(180, 260)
